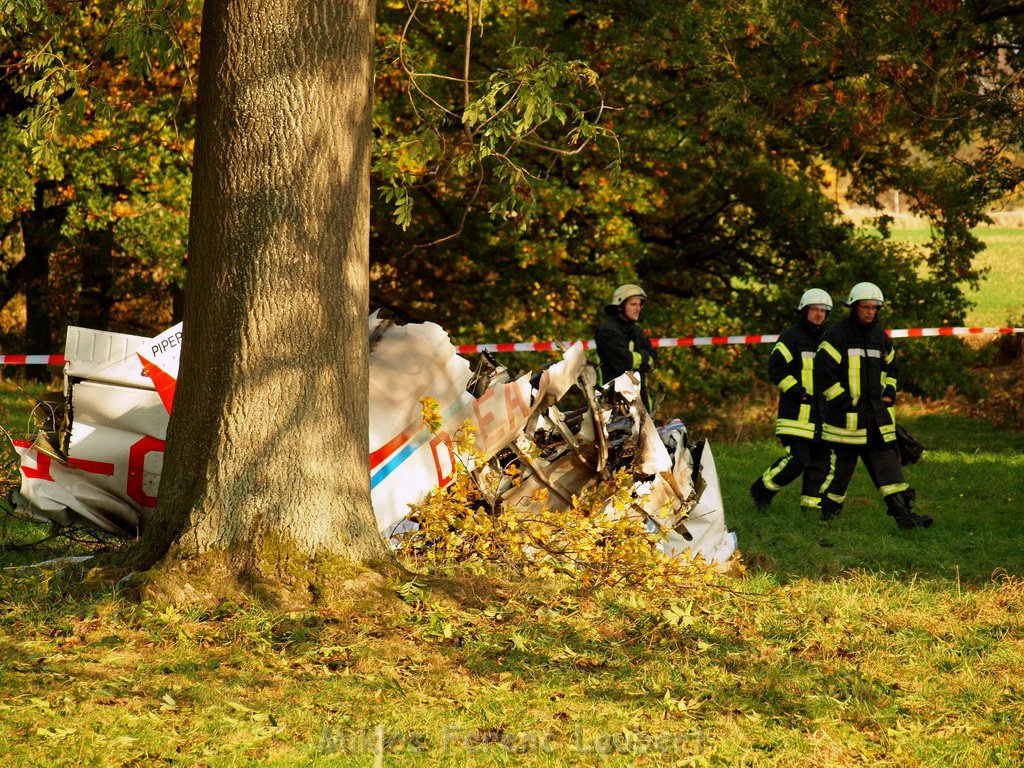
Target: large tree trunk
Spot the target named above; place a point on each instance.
(266, 475)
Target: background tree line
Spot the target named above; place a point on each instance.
(532, 155)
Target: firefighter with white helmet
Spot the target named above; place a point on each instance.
(621, 344)
(791, 370)
(856, 374)
(865, 292)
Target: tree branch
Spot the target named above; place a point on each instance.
(1007, 11)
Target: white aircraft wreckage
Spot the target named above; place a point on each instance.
(99, 463)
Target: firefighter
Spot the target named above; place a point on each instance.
(855, 374)
(621, 344)
(791, 369)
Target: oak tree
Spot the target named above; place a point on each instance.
(265, 486)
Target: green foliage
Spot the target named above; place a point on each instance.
(936, 368)
(16, 183)
(531, 156)
(731, 124)
(99, 96)
(460, 134)
(63, 54)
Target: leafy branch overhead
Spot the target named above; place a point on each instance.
(529, 156)
(81, 65)
(98, 101)
(738, 135)
(484, 127)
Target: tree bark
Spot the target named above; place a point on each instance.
(266, 474)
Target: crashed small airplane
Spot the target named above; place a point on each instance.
(99, 462)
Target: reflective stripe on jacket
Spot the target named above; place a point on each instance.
(622, 346)
(791, 370)
(854, 369)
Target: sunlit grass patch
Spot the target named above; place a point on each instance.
(850, 644)
(999, 299)
(851, 671)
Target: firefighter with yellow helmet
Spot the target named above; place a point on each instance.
(856, 374)
(621, 344)
(791, 370)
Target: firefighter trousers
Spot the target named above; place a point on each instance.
(881, 460)
(810, 458)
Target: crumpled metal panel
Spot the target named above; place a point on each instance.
(676, 493)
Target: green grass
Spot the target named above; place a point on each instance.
(971, 481)
(16, 402)
(1000, 297)
(869, 669)
(852, 644)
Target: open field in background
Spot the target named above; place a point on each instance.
(1000, 296)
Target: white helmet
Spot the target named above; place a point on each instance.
(627, 291)
(815, 296)
(864, 292)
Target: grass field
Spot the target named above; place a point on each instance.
(851, 644)
(1000, 297)
(972, 483)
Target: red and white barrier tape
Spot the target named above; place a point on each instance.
(32, 360)
(914, 333)
(555, 346)
(705, 341)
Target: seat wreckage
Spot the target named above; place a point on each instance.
(98, 462)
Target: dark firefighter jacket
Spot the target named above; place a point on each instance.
(621, 347)
(791, 369)
(854, 369)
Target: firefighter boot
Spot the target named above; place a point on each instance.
(830, 509)
(761, 495)
(900, 505)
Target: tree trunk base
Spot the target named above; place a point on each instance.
(287, 581)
